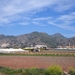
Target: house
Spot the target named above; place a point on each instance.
(41, 46)
(5, 45)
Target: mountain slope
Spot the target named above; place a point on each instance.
(36, 38)
(60, 39)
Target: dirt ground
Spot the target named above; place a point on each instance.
(36, 61)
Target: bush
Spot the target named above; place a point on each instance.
(71, 71)
(33, 71)
(8, 71)
(54, 70)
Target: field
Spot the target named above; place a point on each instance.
(17, 62)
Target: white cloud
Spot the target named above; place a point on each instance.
(69, 17)
(4, 20)
(65, 21)
(42, 18)
(16, 10)
(19, 6)
(38, 23)
(63, 26)
(63, 5)
(24, 23)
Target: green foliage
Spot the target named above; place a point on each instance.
(33, 71)
(54, 70)
(8, 71)
(71, 71)
(35, 54)
(30, 71)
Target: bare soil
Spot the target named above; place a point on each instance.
(17, 62)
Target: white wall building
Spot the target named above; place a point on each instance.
(40, 46)
(5, 45)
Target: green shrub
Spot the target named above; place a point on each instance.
(71, 71)
(33, 71)
(54, 70)
(8, 71)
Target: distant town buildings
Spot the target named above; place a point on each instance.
(37, 46)
(66, 47)
(40, 46)
(5, 45)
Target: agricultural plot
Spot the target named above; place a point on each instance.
(17, 62)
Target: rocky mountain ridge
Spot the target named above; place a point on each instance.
(36, 38)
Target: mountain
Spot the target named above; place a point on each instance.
(60, 39)
(36, 38)
(71, 41)
(56, 35)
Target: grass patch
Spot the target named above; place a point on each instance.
(53, 70)
(37, 54)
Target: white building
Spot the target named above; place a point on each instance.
(40, 46)
(5, 45)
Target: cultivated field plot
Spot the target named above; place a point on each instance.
(36, 61)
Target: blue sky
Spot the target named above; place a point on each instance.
(25, 16)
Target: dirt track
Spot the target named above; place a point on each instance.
(36, 61)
